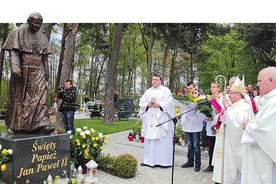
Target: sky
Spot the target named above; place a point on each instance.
(132, 11)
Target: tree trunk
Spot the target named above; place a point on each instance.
(47, 29)
(191, 67)
(150, 57)
(62, 49)
(164, 64)
(148, 48)
(67, 64)
(172, 76)
(109, 98)
(5, 35)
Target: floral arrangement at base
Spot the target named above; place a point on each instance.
(4, 157)
(87, 144)
(195, 101)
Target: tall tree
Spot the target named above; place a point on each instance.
(4, 37)
(261, 41)
(67, 63)
(61, 57)
(225, 55)
(132, 54)
(147, 30)
(47, 29)
(112, 68)
(94, 47)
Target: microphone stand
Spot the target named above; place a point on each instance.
(175, 119)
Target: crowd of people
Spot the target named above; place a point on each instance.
(239, 135)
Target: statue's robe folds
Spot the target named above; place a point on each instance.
(27, 100)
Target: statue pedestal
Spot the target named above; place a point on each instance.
(35, 156)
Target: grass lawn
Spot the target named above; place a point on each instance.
(98, 125)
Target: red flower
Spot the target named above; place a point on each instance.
(177, 93)
(58, 131)
(183, 91)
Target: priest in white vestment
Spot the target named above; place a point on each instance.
(236, 114)
(260, 134)
(228, 150)
(157, 107)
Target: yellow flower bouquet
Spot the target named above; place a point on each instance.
(87, 144)
(195, 101)
(4, 157)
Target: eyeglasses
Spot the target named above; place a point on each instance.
(233, 93)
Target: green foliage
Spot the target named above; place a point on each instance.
(199, 102)
(137, 129)
(179, 133)
(106, 162)
(3, 111)
(206, 108)
(4, 93)
(225, 55)
(184, 96)
(260, 40)
(125, 165)
(136, 106)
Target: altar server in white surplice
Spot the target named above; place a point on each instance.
(260, 134)
(157, 106)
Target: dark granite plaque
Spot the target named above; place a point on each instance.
(35, 156)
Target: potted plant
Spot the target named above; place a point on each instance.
(87, 144)
(137, 130)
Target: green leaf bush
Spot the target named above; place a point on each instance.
(106, 163)
(125, 165)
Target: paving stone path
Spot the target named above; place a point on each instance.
(119, 144)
